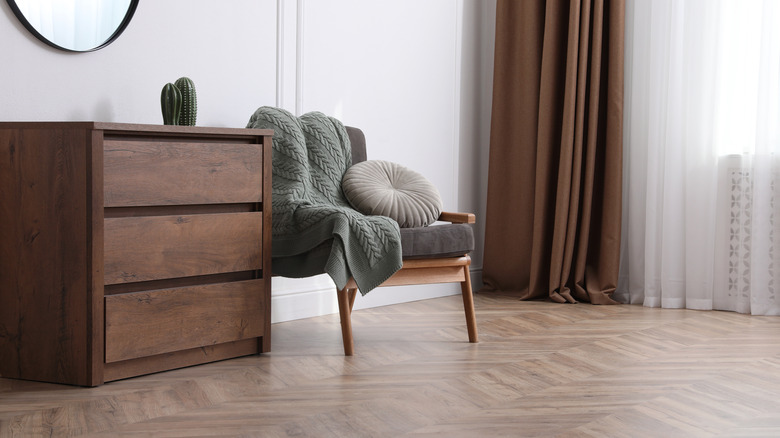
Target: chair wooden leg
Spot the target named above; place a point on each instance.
(345, 312)
(468, 306)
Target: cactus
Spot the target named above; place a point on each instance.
(189, 107)
(171, 102)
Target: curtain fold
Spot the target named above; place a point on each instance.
(555, 171)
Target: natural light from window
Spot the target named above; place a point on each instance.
(747, 64)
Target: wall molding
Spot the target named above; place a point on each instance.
(299, 59)
(279, 52)
(289, 34)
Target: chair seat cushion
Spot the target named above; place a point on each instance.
(377, 187)
(450, 240)
(446, 240)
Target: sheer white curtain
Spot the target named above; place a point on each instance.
(701, 219)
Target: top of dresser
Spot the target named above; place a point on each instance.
(138, 128)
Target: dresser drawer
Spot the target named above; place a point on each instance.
(161, 321)
(161, 247)
(143, 173)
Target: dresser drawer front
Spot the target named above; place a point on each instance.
(161, 247)
(147, 323)
(143, 173)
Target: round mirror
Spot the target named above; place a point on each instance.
(75, 25)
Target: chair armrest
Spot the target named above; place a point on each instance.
(458, 218)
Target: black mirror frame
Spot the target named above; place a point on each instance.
(115, 35)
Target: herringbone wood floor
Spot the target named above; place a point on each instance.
(541, 369)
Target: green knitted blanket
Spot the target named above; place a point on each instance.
(315, 230)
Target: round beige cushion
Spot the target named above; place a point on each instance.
(384, 188)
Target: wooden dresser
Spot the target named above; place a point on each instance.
(131, 249)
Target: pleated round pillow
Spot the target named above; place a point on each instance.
(377, 187)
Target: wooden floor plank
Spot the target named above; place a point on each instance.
(540, 369)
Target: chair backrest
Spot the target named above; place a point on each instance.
(358, 141)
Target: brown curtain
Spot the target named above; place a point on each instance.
(554, 184)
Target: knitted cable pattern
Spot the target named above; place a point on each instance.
(310, 155)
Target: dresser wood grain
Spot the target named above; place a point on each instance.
(131, 249)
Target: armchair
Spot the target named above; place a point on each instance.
(434, 254)
(364, 223)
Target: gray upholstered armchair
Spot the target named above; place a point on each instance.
(335, 212)
(432, 254)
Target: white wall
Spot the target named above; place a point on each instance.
(228, 52)
(415, 76)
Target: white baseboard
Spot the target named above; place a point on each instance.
(305, 298)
